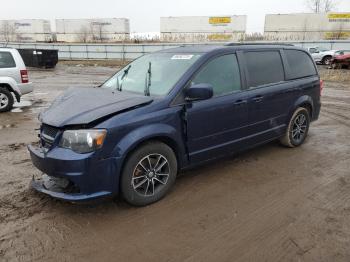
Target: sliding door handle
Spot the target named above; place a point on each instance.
(258, 99)
(240, 102)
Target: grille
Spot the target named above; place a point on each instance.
(48, 135)
(50, 131)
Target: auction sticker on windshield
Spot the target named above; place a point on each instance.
(182, 57)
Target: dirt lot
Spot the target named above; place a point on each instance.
(268, 204)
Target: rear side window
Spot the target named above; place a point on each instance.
(300, 64)
(264, 67)
(222, 73)
(6, 60)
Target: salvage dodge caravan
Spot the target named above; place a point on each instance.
(170, 110)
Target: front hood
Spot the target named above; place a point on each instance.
(79, 106)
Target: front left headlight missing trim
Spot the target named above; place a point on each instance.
(83, 141)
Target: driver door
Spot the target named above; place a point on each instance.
(217, 125)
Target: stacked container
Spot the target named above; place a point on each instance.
(202, 28)
(92, 30)
(302, 26)
(29, 30)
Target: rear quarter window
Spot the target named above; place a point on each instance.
(264, 67)
(300, 64)
(6, 60)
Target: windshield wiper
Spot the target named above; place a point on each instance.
(148, 79)
(120, 85)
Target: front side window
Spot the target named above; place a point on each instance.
(264, 67)
(157, 73)
(6, 60)
(222, 73)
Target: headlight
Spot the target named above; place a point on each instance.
(83, 141)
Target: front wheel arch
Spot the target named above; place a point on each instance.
(154, 147)
(162, 139)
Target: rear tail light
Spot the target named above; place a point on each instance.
(321, 86)
(24, 76)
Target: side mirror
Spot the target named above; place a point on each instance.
(199, 92)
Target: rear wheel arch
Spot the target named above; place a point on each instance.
(303, 101)
(308, 106)
(325, 58)
(10, 89)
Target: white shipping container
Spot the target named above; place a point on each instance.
(203, 24)
(202, 28)
(307, 26)
(92, 38)
(92, 30)
(30, 30)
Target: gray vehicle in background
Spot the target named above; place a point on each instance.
(14, 79)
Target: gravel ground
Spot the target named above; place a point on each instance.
(267, 204)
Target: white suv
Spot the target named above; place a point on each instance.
(322, 56)
(14, 80)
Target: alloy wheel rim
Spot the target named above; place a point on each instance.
(299, 128)
(150, 174)
(4, 100)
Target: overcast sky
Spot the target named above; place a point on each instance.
(144, 14)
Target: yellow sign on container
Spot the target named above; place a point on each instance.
(219, 37)
(219, 20)
(337, 35)
(339, 16)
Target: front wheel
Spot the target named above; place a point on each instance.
(298, 128)
(149, 174)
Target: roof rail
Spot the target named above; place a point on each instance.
(273, 43)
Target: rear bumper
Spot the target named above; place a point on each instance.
(316, 112)
(25, 88)
(92, 177)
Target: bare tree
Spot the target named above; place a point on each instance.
(339, 34)
(8, 31)
(97, 29)
(329, 5)
(321, 6)
(314, 5)
(84, 34)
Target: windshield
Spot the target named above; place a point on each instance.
(152, 74)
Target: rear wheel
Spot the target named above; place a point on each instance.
(6, 100)
(298, 128)
(149, 174)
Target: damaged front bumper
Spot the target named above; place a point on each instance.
(72, 176)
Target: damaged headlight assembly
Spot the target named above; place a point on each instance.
(83, 141)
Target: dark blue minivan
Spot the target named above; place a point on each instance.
(170, 110)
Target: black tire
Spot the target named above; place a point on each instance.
(132, 189)
(6, 100)
(291, 137)
(327, 60)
